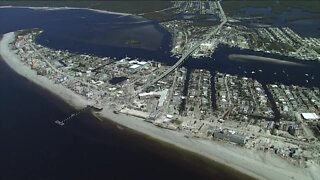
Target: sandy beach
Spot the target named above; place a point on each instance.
(13, 61)
(253, 163)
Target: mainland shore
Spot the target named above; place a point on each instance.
(257, 164)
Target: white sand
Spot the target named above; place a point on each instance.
(257, 164)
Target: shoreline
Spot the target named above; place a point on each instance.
(68, 8)
(253, 163)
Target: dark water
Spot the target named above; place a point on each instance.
(88, 31)
(270, 73)
(117, 80)
(33, 147)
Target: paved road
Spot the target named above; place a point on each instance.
(58, 71)
(45, 59)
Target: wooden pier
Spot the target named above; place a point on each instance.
(64, 121)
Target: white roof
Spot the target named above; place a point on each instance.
(133, 61)
(142, 62)
(169, 116)
(147, 94)
(134, 66)
(310, 116)
(163, 96)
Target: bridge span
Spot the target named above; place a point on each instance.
(176, 65)
(191, 50)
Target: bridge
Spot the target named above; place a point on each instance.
(191, 50)
(63, 122)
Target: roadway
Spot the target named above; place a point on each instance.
(58, 71)
(45, 59)
(190, 51)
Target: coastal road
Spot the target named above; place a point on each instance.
(55, 69)
(45, 59)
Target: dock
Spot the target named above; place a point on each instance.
(64, 121)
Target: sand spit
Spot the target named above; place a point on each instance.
(246, 58)
(67, 8)
(256, 164)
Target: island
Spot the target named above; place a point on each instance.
(262, 130)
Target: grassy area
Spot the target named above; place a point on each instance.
(128, 6)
